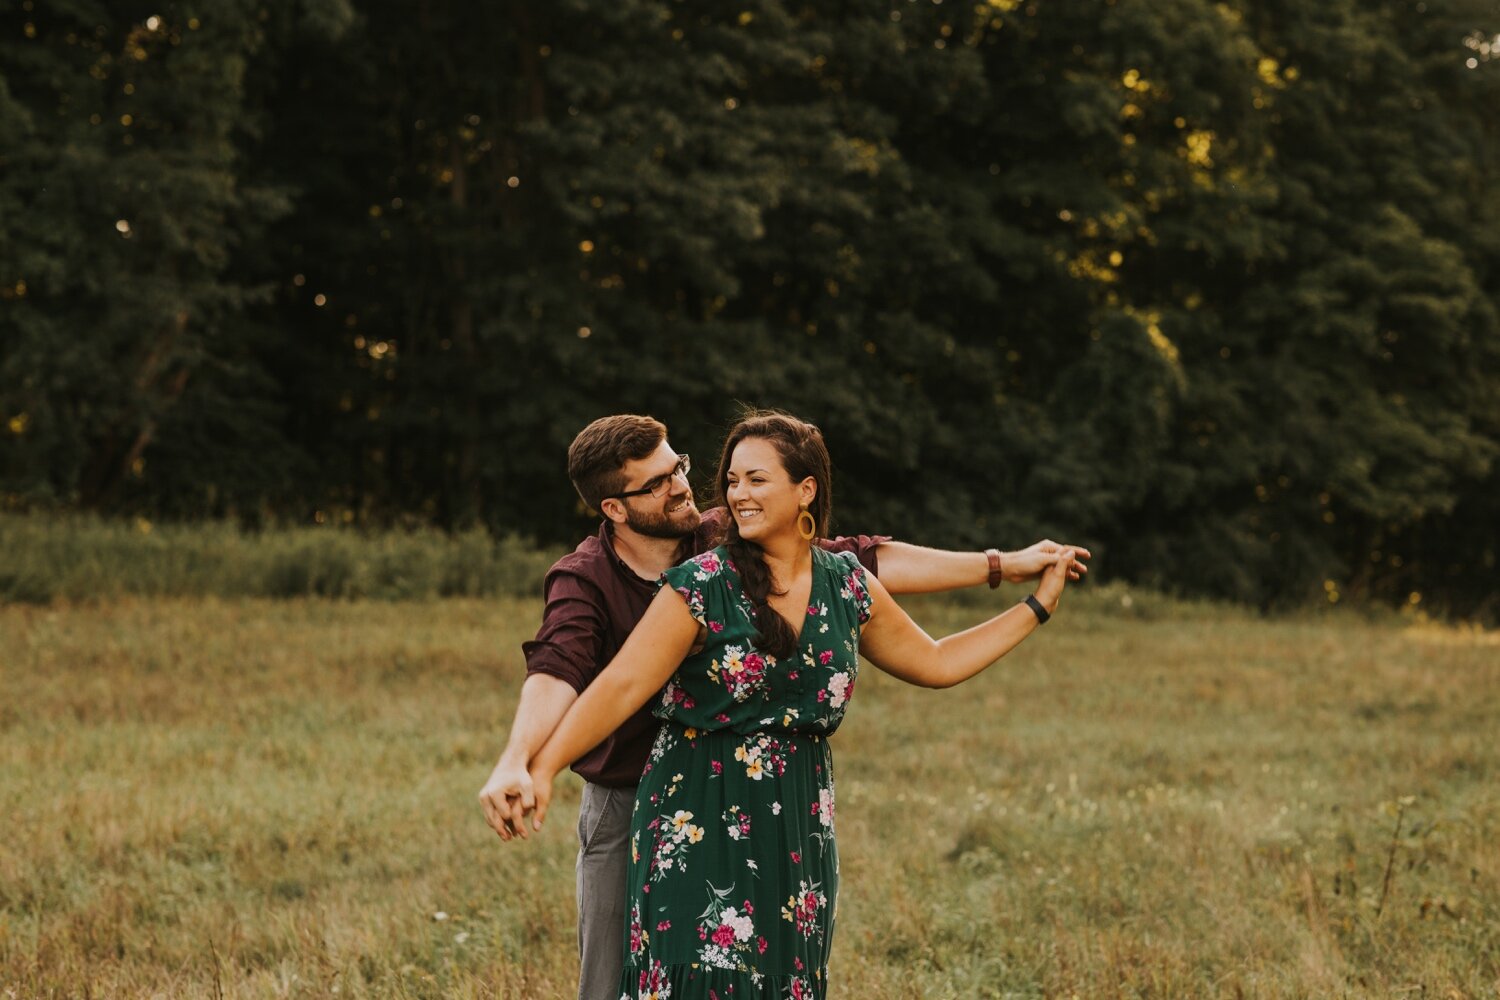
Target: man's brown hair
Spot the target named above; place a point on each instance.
(597, 456)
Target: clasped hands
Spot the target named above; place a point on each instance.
(1030, 562)
(511, 795)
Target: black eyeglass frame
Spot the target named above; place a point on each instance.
(659, 489)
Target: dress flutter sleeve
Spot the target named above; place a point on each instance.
(852, 585)
(700, 582)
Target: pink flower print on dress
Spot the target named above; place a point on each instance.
(801, 909)
(737, 826)
(728, 936)
(653, 982)
(637, 935)
(676, 696)
(840, 686)
(741, 673)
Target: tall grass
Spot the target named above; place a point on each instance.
(254, 799)
(76, 557)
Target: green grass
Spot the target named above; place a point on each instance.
(255, 798)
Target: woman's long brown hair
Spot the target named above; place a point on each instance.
(803, 454)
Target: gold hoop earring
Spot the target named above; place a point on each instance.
(811, 529)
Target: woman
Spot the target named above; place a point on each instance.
(734, 869)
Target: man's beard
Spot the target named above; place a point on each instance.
(661, 524)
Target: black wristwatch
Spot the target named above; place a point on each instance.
(1036, 607)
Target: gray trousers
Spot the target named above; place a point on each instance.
(603, 861)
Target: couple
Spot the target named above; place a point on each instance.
(707, 864)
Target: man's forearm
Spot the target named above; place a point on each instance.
(544, 701)
(913, 569)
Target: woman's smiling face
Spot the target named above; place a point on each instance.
(761, 495)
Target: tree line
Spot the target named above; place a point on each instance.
(1210, 286)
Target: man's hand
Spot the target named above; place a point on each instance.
(1032, 561)
(507, 797)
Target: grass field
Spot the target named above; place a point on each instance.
(253, 798)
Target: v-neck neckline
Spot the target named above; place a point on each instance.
(812, 590)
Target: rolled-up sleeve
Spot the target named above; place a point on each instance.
(568, 644)
(863, 547)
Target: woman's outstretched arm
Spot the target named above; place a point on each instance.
(656, 647)
(899, 646)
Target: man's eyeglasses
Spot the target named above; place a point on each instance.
(658, 486)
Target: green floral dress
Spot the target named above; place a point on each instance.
(734, 871)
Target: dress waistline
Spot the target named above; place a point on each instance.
(693, 733)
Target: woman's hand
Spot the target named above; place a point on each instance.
(1054, 578)
(541, 790)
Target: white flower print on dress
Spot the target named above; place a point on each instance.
(824, 808)
(742, 672)
(672, 835)
(838, 689)
(737, 823)
(728, 933)
(764, 757)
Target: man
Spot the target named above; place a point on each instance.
(623, 467)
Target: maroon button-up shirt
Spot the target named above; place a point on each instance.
(594, 601)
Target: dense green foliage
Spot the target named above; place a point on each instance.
(83, 558)
(1212, 287)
